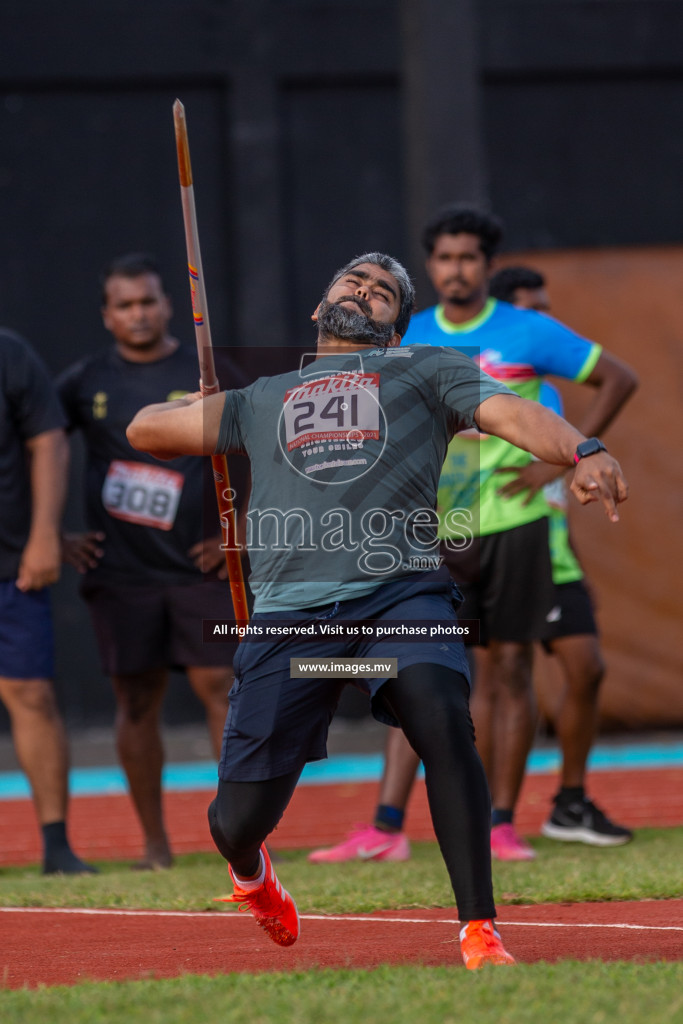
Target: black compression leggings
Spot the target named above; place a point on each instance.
(432, 704)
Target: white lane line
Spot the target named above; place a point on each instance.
(504, 924)
(111, 912)
(576, 924)
(204, 915)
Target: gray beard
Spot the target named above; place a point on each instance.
(335, 321)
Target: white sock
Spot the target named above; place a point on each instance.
(464, 929)
(249, 884)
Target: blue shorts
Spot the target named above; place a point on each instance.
(277, 723)
(26, 635)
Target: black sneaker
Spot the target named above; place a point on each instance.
(582, 822)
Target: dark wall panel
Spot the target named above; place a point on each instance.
(341, 187)
(586, 162)
(297, 117)
(88, 174)
(531, 37)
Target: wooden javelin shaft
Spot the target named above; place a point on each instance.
(208, 382)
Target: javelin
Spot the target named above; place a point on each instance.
(208, 382)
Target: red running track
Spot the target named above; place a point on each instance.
(105, 827)
(74, 946)
(66, 947)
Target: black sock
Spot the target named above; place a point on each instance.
(388, 818)
(58, 857)
(570, 795)
(501, 816)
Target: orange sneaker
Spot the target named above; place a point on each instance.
(272, 906)
(481, 944)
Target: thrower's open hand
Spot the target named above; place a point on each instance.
(599, 478)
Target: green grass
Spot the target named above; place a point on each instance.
(648, 868)
(566, 992)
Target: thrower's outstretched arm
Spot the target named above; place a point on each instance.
(186, 426)
(546, 435)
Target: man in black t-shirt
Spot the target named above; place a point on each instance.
(151, 573)
(33, 471)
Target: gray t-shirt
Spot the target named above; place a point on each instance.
(345, 456)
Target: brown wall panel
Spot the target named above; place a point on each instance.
(631, 301)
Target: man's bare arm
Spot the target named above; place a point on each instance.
(546, 435)
(615, 382)
(186, 426)
(49, 465)
(530, 426)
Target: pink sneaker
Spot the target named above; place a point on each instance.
(507, 845)
(365, 843)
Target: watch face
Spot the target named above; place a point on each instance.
(590, 447)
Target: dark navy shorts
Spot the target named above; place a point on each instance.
(26, 634)
(151, 626)
(570, 615)
(276, 724)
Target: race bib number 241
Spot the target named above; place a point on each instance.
(344, 407)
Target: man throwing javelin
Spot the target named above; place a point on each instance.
(346, 455)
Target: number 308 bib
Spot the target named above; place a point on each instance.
(143, 494)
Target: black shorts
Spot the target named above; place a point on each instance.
(571, 613)
(276, 722)
(139, 628)
(506, 580)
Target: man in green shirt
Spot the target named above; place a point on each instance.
(572, 633)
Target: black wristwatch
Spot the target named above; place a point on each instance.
(590, 447)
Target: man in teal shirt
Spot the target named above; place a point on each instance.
(358, 437)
